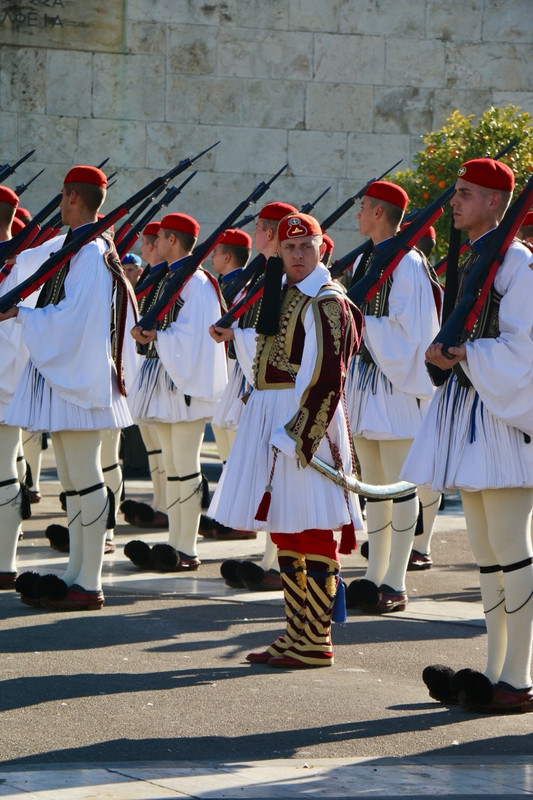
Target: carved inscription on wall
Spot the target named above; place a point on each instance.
(67, 24)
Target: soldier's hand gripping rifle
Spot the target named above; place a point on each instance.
(255, 291)
(188, 265)
(90, 232)
(479, 281)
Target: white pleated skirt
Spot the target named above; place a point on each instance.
(230, 406)
(155, 398)
(37, 407)
(462, 445)
(301, 498)
(376, 409)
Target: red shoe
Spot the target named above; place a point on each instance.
(261, 657)
(504, 700)
(187, 563)
(389, 600)
(419, 561)
(7, 580)
(77, 599)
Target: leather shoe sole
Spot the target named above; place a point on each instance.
(391, 601)
(77, 599)
(287, 662)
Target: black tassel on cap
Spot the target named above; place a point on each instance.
(268, 322)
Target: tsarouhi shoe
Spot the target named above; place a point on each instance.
(257, 579)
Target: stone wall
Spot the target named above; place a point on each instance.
(339, 89)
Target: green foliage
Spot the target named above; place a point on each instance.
(460, 139)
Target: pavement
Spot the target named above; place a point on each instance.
(151, 697)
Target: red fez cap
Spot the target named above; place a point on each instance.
(17, 225)
(488, 173)
(389, 192)
(277, 211)
(152, 229)
(23, 213)
(84, 174)
(8, 196)
(528, 219)
(236, 236)
(328, 241)
(180, 222)
(294, 226)
(430, 233)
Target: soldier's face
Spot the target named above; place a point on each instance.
(472, 208)
(300, 256)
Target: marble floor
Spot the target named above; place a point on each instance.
(333, 778)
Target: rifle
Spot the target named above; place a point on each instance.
(256, 266)
(7, 169)
(21, 188)
(123, 230)
(132, 235)
(347, 205)
(390, 256)
(479, 281)
(187, 266)
(32, 234)
(440, 266)
(27, 235)
(90, 232)
(308, 207)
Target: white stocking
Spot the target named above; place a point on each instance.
(157, 469)
(10, 519)
(430, 501)
(111, 469)
(32, 446)
(78, 459)
(181, 443)
(270, 555)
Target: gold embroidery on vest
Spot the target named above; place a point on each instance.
(332, 311)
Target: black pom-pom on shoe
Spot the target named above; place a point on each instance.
(164, 558)
(52, 587)
(58, 537)
(362, 594)
(138, 553)
(135, 513)
(228, 570)
(441, 684)
(25, 586)
(473, 689)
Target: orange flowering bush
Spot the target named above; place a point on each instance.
(460, 139)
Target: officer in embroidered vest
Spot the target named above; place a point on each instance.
(72, 385)
(178, 386)
(477, 438)
(388, 391)
(297, 365)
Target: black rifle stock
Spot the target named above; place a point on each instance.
(190, 263)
